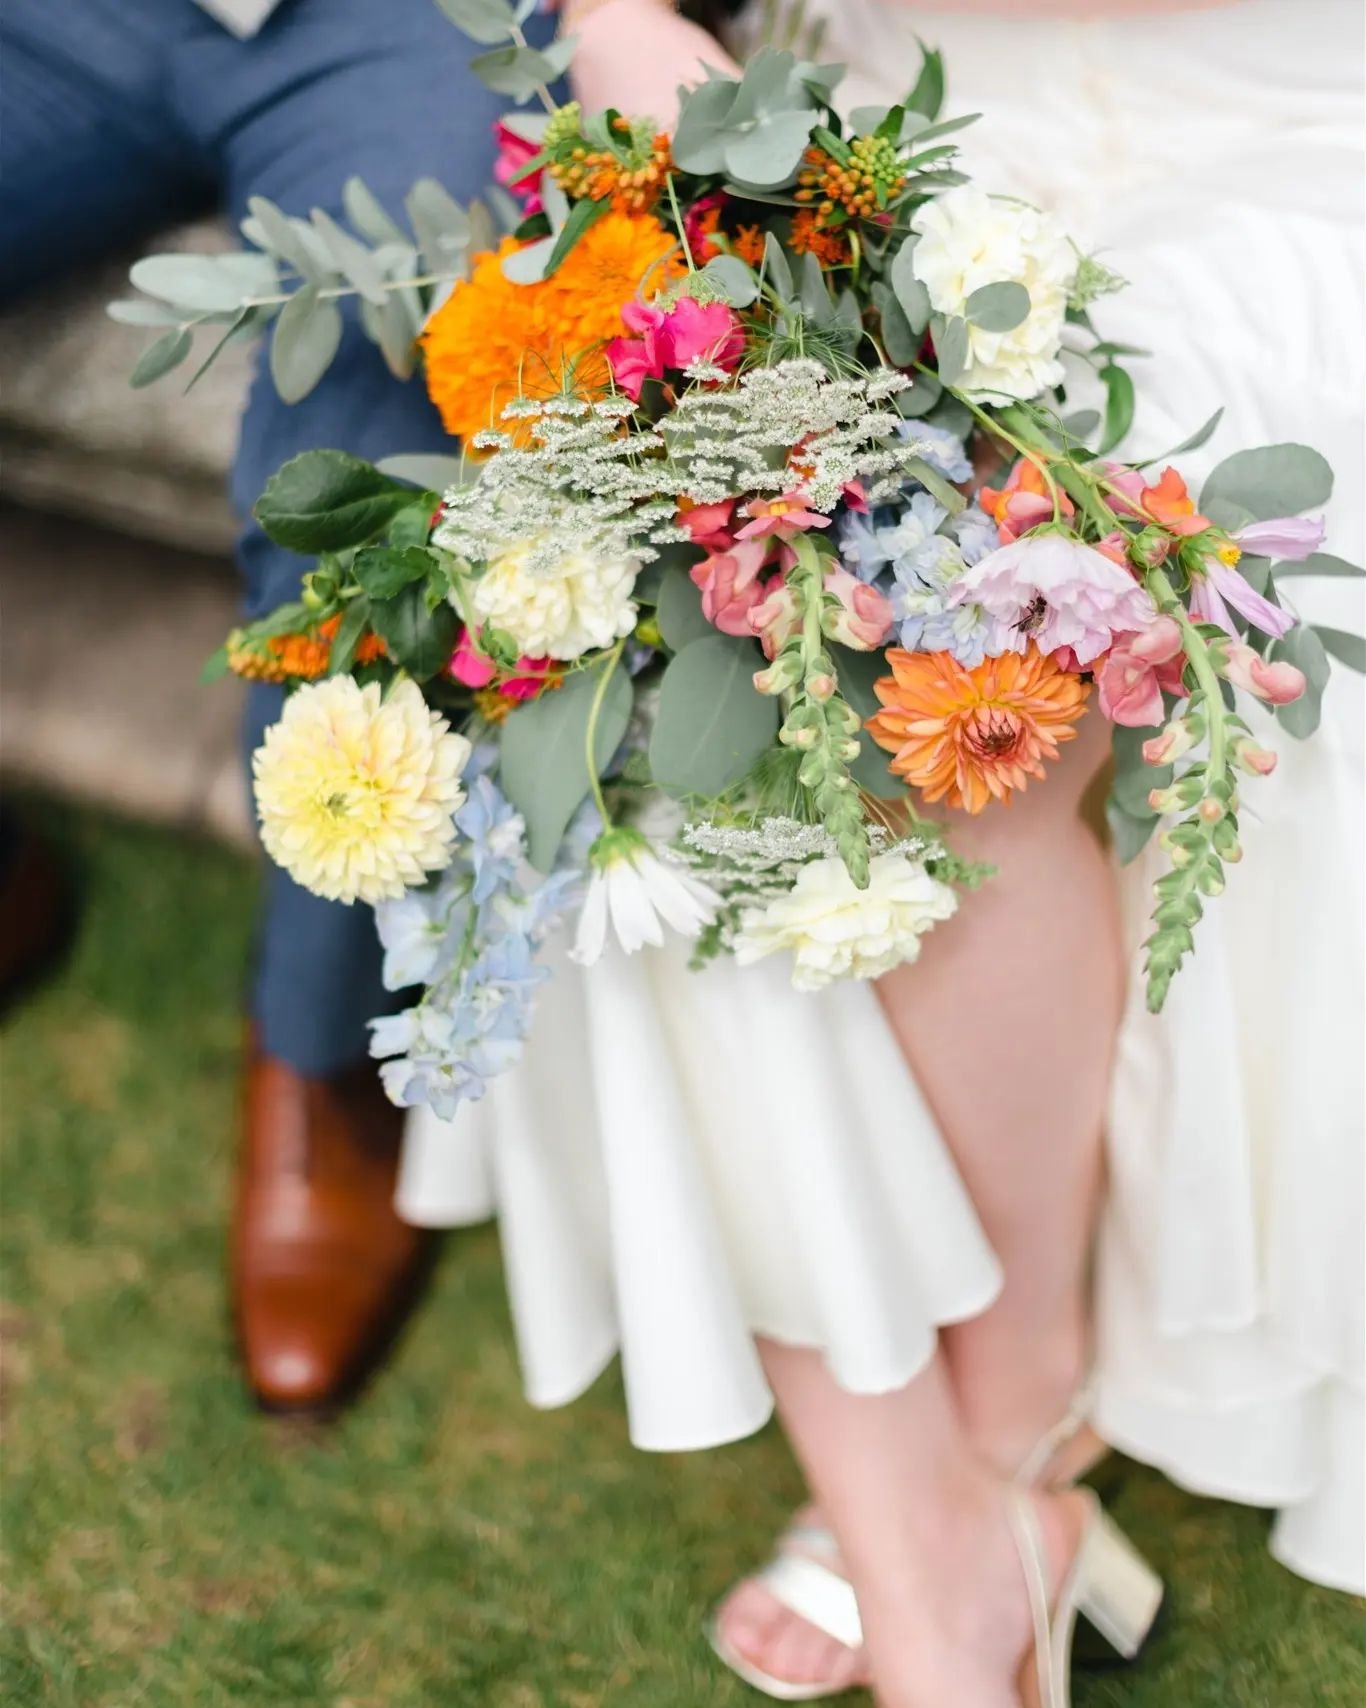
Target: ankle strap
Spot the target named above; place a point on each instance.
(1024, 1526)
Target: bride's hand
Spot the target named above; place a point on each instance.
(633, 54)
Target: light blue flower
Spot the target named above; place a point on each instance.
(976, 534)
(945, 452)
(928, 619)
(890, 536)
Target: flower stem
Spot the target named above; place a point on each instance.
(591, 736)
(1201, 661)
(678, 221)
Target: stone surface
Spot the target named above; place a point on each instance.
(102, 644)
(75, 437)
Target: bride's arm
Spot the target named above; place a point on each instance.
(633, 54)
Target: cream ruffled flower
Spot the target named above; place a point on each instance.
(837, 931)
(356, 793)
(969, 239)
(579, 603)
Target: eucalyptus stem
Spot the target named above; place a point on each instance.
(334, 291)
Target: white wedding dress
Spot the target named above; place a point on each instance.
(684, 1159)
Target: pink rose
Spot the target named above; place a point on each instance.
(730, 586)
(509, 169)
(468, 666)
(864, 617)
(694, 331)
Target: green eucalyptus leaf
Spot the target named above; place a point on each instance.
(529, 266)
(481, 20)
(306, 338)
(1000, 307)
(431, 472)
(679, 609)
(281, 235)
(368, 214)
(925, 394)
(950, 334)
(1348, 649)
(515, 71)
(778, 268)
(384, 570)
(770, 153)
(419, 636)
(733, 278)
(1082, 423)
(160, 356)
(353, 260)
(910, 291)
(712, 724)
(898, 338)
(1134, 777)
(441, 225)
(1271, 481)
(1303, 647)
(1130, 833)
(699, 144)
(1319, 563)
(543, 754)
(247, 321)
(206, 284)
(137, 311)
(328, 500)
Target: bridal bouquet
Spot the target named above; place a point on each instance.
(773, 528)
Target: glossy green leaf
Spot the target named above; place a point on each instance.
(543, 754)
(419, 637)
(354, 621)
(1119, 405)
(712, 724)
(328, 500)
(928, 95)
(384, 571)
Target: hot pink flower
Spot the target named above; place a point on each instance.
(474, 669)
(695, 331)
(1058, 591)
(864, 617)
(468, 666)
(1138, 668)
(635, 360)
(730, 586)
(783, 516)
(778, 618)
(1278, 683)
(855, 498)
(509, 169)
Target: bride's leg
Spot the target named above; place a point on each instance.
(922, 1525)
(1009, 1020)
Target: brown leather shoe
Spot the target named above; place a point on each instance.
(323, 1269)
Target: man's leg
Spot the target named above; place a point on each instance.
(326, 91)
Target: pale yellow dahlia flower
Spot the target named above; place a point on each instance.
(356, 793)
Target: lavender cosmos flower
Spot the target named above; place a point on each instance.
(1058, 591)
(1287, 539)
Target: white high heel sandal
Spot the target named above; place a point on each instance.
(805, 1572)
(1109, 1583)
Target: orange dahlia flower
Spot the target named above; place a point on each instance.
(965, 736)
(492, 340)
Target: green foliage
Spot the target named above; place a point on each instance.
(679, 609)
(1303, 648)
(950, 335)
(755, 130)
(1319, 563)
(927, 98)
(1348, 649)
(306, 338)
(481, 20)
(736, 281)
(711, 725)
(160, 356)
(328, 500)
(1273, 480)
(382, 570)
(1000, 307)
(544, 752)
(856, 673)
(419, 628)
(1119, 405)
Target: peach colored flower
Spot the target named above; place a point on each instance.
(967, 737)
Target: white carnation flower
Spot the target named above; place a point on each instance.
(632, 889)
(577, 603)
(838, 931)
(969, 239)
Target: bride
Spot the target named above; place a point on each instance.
(917, 1295)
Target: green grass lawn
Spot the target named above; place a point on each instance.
(444, 1544)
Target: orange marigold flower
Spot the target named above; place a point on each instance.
(303, 656)
(493, 340)
(965, 736)
(809, 237)
(748, 244)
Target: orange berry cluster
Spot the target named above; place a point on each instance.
(633, 185)
(837, 191)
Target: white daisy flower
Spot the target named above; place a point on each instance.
(632, 891)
